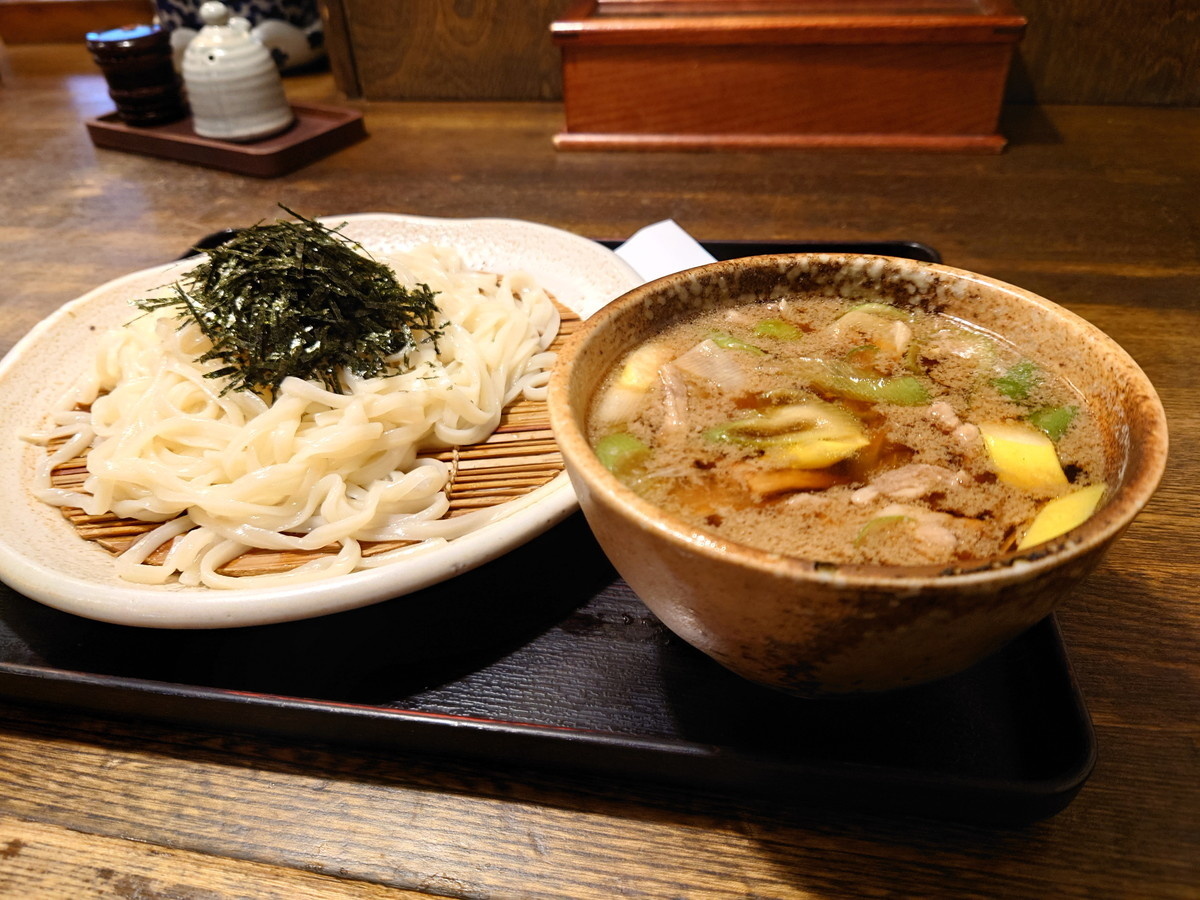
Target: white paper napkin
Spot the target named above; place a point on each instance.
(663, 249)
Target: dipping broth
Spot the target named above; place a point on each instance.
(850, 432)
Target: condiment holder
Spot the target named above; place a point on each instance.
(233, 85)
(137, 66)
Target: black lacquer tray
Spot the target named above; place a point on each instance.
(546, 659)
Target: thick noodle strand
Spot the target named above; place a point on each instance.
(314, 469)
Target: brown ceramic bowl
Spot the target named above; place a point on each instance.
(814, 629)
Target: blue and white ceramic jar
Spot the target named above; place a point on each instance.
(292, 30)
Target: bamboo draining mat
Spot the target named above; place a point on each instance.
(519, 457)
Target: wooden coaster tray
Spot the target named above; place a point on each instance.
(317, 132)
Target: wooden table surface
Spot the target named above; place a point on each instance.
(1095, 208)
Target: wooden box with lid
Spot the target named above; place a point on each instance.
(923, 75)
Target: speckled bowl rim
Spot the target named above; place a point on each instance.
(581, 273)
(1108, 523)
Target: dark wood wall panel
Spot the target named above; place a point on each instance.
(1142, 52)
(454, 49)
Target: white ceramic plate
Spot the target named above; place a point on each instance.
(43, 558)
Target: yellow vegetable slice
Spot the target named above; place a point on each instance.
(811, 434)
(818, 448)
(622, 402)
(1024, 457)
(1062, 514)
(640, 371)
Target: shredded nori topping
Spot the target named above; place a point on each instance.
(300, 299)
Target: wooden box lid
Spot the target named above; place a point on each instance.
(728, 22)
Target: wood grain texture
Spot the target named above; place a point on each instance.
(50, 21)
(1122, 52)
(789, 23)
(339, 48)
(889, 95)
(1075, 51)
(810, 7)
(784, 76)
(1119, 51)
(447, 50)
(50, 862)
(1091, 207)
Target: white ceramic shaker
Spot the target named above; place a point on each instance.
(233, 85)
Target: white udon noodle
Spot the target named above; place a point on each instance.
(313, 469)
